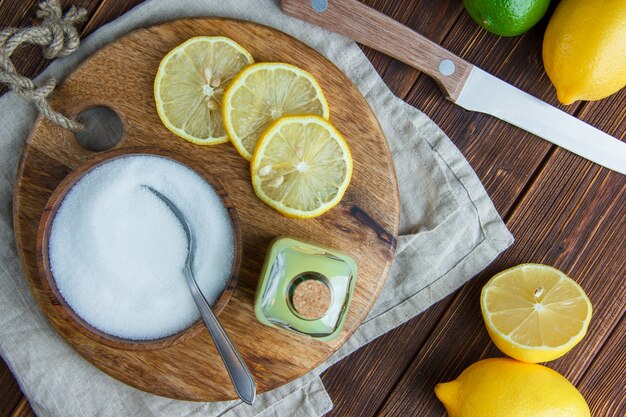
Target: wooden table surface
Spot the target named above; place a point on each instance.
(563, 211)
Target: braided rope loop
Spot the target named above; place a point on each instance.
(58, 37)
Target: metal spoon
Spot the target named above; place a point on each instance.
(236, 367)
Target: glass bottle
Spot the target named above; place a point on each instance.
(305, 288)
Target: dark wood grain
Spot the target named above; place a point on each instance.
(461, 330)
(505, 179)
(514, 167)
(360, 383)
(603, 382)
(23, 409)
(9, 391)
(106, 12)
(508, 161)
(572, 216)
(504, 157)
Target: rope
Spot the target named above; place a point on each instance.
(58, 37)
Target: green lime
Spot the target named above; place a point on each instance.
(506, 17)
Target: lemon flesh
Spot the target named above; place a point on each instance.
(506, 387)
(190, 84)
(584, 49)
(263, 93)
(301, 166)
(535, 313)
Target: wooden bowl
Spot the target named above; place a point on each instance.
(49, 284)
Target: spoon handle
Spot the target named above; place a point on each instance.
(236, 367)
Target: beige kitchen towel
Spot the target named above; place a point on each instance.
(449, 232)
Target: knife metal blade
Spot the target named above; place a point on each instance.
(463, 83)
(485, 93)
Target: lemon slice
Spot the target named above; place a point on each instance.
(535, 313)
(301, 166)
(261, 94)
(190, 83)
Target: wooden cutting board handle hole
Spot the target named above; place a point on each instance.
(103, 128)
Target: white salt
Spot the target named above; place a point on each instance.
(117, 251)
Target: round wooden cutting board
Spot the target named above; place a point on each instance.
(364, 225)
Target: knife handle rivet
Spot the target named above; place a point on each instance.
(319, 5)
(447, 67)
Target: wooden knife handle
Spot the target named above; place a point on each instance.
(376, 30)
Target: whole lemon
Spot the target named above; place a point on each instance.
(503, 387)
(584, 49)
(506, 17)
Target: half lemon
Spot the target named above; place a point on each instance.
(190, 84)
(535, 313)
(263, 93)
(301, 167)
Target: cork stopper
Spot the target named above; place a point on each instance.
(310, 298)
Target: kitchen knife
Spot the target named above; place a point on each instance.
(462, 83)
